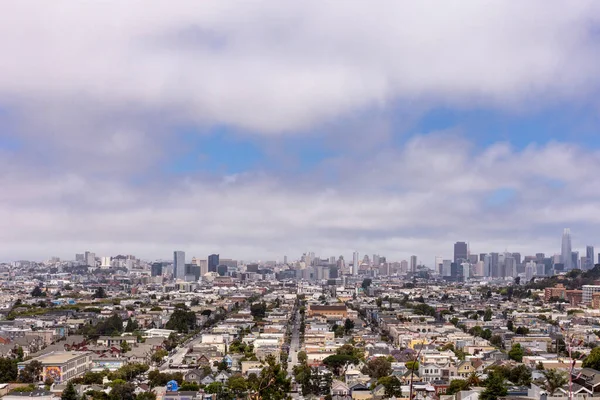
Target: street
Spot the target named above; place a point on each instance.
(294, 344)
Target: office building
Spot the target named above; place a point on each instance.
(413, 264)
(487, 265)
(285, 259)
(566, 256)
(517, 257)
(105, 262)
(589, 253)
(460, 251)
(447, 268)
(530, 270)
(80, 257)
(213, 262)
(495, 269)
(90, 259)
(179, 265)
(355, 263)
(156, 269)
(510, 266)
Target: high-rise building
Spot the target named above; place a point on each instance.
(438, 264)
(90, 259)
(203, 264)
(517, 257)
(566, 257)
(213, 262)
(355, 263)
(487, 265)
(589, 253)
(105, 262)
(80, 257)
(530, 270)
(446, 268)
(157, 269)
(588, 290)
(510, 266)
(575, 260)
(285, 259)
(376, 260)
(460, 251)
(179, 265)
(495, 265)
(413, 264)
(403, 267)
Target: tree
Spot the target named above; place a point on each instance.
(302, 357)
(258, 310)
(339, 362)
(348, 325)
(510, 326)
(379, 302)
(31, 372)
(412, 365)
(496, 340)
(488, 314)
(159, 355)
(37, 292)
(146, 396)
(378, 368)
(189, 387)
(19, 353)
(516, 352)
(125, 347)
(593, 359)
(69, 393)
(457, 385)
(8, 370)
(494, 387)
(392, 385)
(366, 283)
(521, 330)
(272, 383)
(122, 391)
(554, 379)
(182, 320)
(237, 385)
(100, 293)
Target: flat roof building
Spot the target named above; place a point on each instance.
(62, 366)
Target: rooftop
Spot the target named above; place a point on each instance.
(58, 357)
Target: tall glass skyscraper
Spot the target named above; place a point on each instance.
(179, 265)
(589, 254)
(566, 254)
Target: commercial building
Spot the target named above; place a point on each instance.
(213, 262)
(460, 252)
(62, 366)
(179, 265)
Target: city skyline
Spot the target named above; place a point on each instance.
(259, 131)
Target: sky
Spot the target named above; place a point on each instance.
(260, 129)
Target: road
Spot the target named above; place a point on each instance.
(294, 344)
(179, 354)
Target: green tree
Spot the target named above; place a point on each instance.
(494, 387)
(553, 380)
(258, 310)
(159, 355)
(338, 363)
(237, 385)
(488, 314)
(366, 283)
(272, 384)
(182, 320)
(146, 396)
(125, 347)
(189, 387)
(31, 372)
(392, 385)
(457, 385)
(593, 359)
(348, 325)
(412, 365)
(516, 352)
(510, 325)
(378, 368)
(214, 387)
(496, 340)
(302, 357)
(37, 292)
(69, 393)
(8, 370)
(122, 391)
(100, 293)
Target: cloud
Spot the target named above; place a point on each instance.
(269, 68)
(436, 202)
(94, 97)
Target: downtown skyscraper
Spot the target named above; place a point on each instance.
(179, 265)
(566, 255)
(355, 263)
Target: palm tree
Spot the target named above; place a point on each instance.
(555, 379)
(474, 379)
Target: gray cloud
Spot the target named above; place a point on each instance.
(95, 91)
